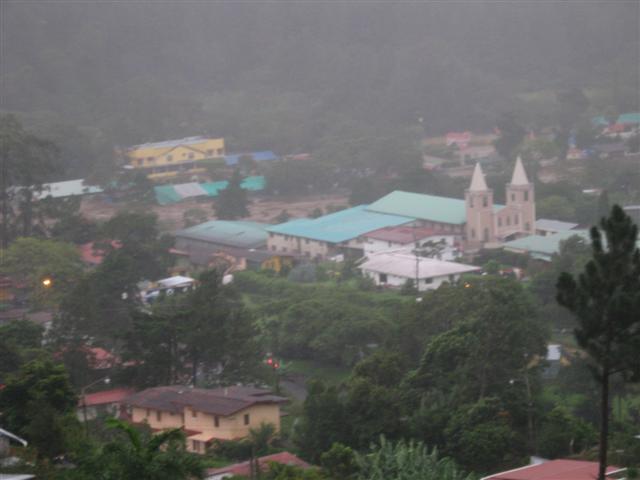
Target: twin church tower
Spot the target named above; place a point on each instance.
(489, 224)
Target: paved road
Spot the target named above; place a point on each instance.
(296, 386)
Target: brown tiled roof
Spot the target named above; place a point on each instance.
(244, 468)
(219, 401)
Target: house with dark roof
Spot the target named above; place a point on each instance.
(206, 415)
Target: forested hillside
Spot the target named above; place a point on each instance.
(293, 77)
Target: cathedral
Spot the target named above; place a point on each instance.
(488, 224)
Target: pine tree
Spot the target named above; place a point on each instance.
(605, 298)
(232, 201)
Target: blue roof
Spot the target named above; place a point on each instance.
(339, 226)
(240, 234)
(170, 143)
(262, 156)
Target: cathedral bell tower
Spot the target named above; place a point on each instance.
(478, 198)
(520, 194)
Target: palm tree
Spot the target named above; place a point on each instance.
(144, 457)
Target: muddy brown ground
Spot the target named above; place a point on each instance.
(171, 216)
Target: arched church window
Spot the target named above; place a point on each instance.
(526, 195)
(513, 197)
(508, 220)
(499, 221)
(473, 233)
(486, 235)
(484, 201)
(516, 219)
(471, 202)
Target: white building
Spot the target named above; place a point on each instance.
(394, 268)
(403, 236)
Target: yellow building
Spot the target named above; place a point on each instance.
(206, 415)
(174, 157)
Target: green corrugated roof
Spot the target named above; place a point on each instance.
(633, 117)
(241, 234)
(424, 207)
(166, 194)
(541, 247)
(339, 226)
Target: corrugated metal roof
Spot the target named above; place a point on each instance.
(66, 188)
(554, 225)
(543, 246)
(239, 234)
(423, 207)
(339, 226)
(403, 264)
(166, 194)
(170, 143)
(633, 117)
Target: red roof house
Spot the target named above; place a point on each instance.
(555, 470)
(244, 468)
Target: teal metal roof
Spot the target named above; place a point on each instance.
(633, 117)
(543, 247)
(340, 226)
(423, 207)
(233, 233)
(166, 194)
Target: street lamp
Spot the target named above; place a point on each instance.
(275, 365)
(46, 282)
(106, 380)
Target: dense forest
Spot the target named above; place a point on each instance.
(296, 77)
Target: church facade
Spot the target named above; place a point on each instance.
(488, 224)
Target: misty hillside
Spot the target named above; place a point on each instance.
(281, 76)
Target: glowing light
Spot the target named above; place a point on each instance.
(47, 282)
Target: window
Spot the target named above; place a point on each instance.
(473, 233)
(382, 277)
(516, 219)
(196, 445)
(220, 151)
(526, 195)
(508, 220)
(150, 159)
(191, 156)
(274, 248)
(194, 414)
(471, 202)
(216, 421)
(428, 280)
(284, 249)
(246, 419)
(148, 412)
(486, 235)
(513, 197)
(485, 201)
(306, 241)
(527, 226)
(452, 278)
(169, 158)
(159, 416)
(499, 221)
(270, 234)
(210, 152)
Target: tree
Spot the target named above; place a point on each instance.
(142, 456)
(194, 216)
(605, 299)
(562, 434)
(323, 422)
(480, 437)
(339, 462)
(32, 260)
(512, 133)
(406, 461)
(26, 161)
(38, 402)
(232, 201)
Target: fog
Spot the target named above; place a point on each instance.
(282, 75)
